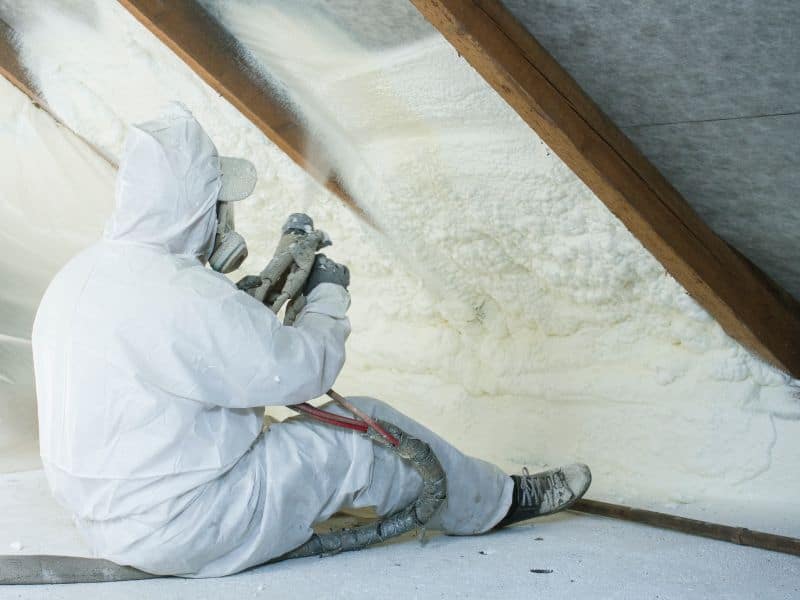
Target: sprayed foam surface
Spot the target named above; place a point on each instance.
(503, 305)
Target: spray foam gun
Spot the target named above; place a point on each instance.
(281, 282)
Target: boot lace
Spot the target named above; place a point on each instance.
(543, 489)
(526, 488)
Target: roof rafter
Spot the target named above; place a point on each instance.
(745, 302)
(10, 66)
(214, 54)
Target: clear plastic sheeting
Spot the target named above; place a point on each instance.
(54, 197)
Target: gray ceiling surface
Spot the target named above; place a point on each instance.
(710, 92)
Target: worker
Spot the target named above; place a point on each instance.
(153, 371)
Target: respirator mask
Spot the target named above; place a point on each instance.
(238, 177)
(230, 249)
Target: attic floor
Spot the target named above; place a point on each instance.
(565, 556)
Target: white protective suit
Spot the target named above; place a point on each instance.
(152, 372)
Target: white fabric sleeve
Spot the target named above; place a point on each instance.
(311, 353)
(254, 360)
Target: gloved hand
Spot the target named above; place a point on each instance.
(326, 271)
(284, 276)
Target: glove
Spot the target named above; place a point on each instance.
(325, 270)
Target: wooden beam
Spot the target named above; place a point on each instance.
(216, 56)
(746, 303)
(715, 531)
(10, 66)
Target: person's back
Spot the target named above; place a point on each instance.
(121, 414)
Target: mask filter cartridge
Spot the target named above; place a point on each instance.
(230, 249)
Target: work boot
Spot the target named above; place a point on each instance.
(547, 492)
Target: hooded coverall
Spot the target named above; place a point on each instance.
(152, 372)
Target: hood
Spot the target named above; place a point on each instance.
(167, 186)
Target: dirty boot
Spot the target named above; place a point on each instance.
(546, 492)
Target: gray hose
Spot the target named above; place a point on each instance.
(415, 516)
(43, 569)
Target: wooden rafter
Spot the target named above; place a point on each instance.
(214, 54)
(10, 66)
(746, 303)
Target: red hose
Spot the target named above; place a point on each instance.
(330, 418)
(362, 424)
(364, 417)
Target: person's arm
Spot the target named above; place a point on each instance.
(310, 354)
(291, 364)
(242, 356)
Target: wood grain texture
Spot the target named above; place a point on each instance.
(210, 51)
(10, 66)
(744, 301)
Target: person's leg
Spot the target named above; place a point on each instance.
(300, 473)
(478, 493)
